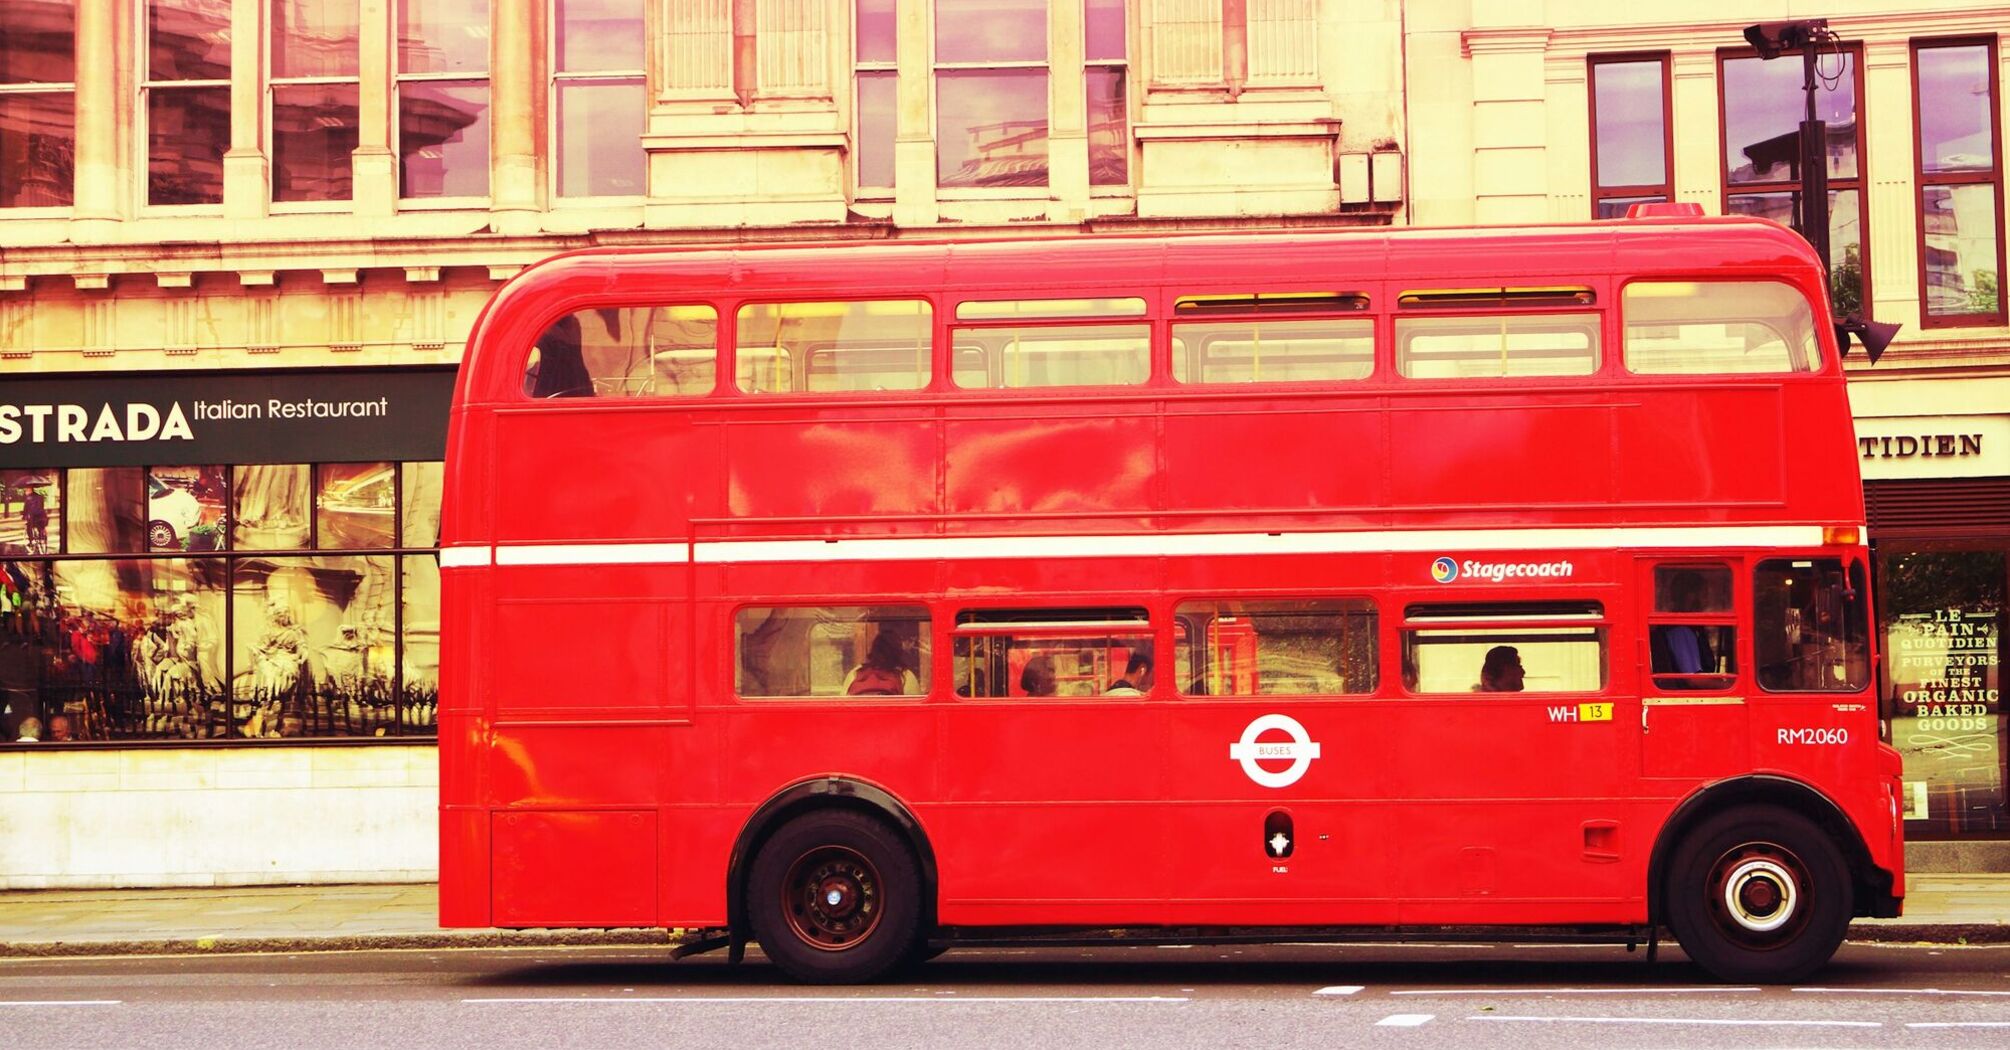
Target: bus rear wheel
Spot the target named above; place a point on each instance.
(1759, 893)
(834, 898)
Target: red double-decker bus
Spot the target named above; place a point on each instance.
(865, 600)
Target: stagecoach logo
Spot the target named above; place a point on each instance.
(1300, 750)
(1444, 570)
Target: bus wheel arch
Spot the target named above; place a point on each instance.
(826, 794)
(1868, 882)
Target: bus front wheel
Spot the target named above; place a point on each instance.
(1759, 893)
(834, 898)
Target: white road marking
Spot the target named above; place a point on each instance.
(1957, 1024)
(1340, 989)
(1679, 1020)
(1576, 991)
(788, 999)
(1404, 1020)
(1900, 991)
(61, 1002)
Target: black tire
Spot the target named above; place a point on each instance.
(834, 897)
(1759, 893)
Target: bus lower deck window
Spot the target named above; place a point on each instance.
(1505, 647)
(1053, 653)
(1312, 647)
(831, 651)
(1809, 626)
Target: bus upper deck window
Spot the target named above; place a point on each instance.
(834, 346)
(1810, 632)
(1273, 351)
(1016, 355)
(1498, 346)
(625, 351)
(1718, 327)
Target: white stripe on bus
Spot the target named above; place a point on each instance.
(1149, 545)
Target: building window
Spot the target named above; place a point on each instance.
(991, 93)
(314, 98)
(1763, 105)
(443, 98)
(186, 93)
(875, 57)
(1630, 122)
(38, 125)
(1106, 37)
(599, 101)
(1235, 43)
(1960, 183)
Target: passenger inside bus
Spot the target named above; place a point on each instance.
(884, 671)
(1502, 672)
(1137, 679)
(559, 370)
(1039, 679)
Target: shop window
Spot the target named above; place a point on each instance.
(1809, 629)
(314, 646)
(1693, 635)
(443, 98)
(1501, 347)
(355, 505)
(105, 511)
(991, 93)
(270, 504)
(1505, 647)
(419, 509)
(186, 508)
(856, 346)
(1312, 647)
(831, 651)
(314, 79)
(1282, 351)
(38, 105)
(1693, 328)
(1942, 616)
(1763, 106)
(1031, 654)
(1630, 118)
(1960, 180)
(418, 643)
(1040, 356)
(31, 511)
(187, 96)
(627, 351)
(599, 101)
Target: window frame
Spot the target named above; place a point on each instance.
(1600, 620)
(1702, 682)
(1364, 604)
(32, 88)
(1602, 357)
(1821, 358)
(863, 69)
(924, 671)
(722, 365)
(396, 132)
(269, 97)
(1993, 178)
(555, 78)
(1253, 318)
(936, 67)
(1665, 189)
(142, 144)
(970, 621)
(1122, 68)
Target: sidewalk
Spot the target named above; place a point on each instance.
(1952, 909)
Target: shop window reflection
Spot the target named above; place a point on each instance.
(420, 619)
(313, 646)
(130, 649)
(420, 503)
(186, 507)
(31, 511)
(271, 501)
(355, 505)
(106, 513)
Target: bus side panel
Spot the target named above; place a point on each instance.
(1667, 442)
(1097, 458)
(851, 476)
(1270, 450)
(1477, 456)
(584, 472)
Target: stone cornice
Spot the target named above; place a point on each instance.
(1711, 35)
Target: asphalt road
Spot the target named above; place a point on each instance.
(1262, 997)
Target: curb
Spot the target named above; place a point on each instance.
(1930, 933)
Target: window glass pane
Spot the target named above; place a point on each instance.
(1497, 347)
(1109, 127)
(105, 510)
(1615, 207)
(1846, 274)
(1942, 614)
(420, 492)
(992, 128)
(128, 650)
(31, 511)
(355, 504)
(38, 43)
(314, 38)
(187, 131)
(990, 30)
(1961, 274)
(1083, 355)
(663, 351)
(314, 642)
(1763, 107)
(38, 139)
(1001, 309)
(599, 34)
(314, 128)
(1273, 351)
(443, 36)
(1724, 326)
(600, 138)
(1693, 655)
(1277, 648)
(188, 39)
(186, 508)
(1809, 627)
(1692, 589)
(860, 650)
(271, 501)
(419, 647)
(1034, 653)
(1630, 136)
(880, 345)
(1103, 30)
(1956, 132)
(877, 24)
(878, 104)
(443, 139)
(1535, 659)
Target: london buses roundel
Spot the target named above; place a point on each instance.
(1299, 749)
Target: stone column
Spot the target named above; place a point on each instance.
(515, 68)
(247, 176)
(102, 197)
(1067, 115)
(1698, 142)
(914, 136)
(373, 167)
(1510, 132)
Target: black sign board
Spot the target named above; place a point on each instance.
(296, 416)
